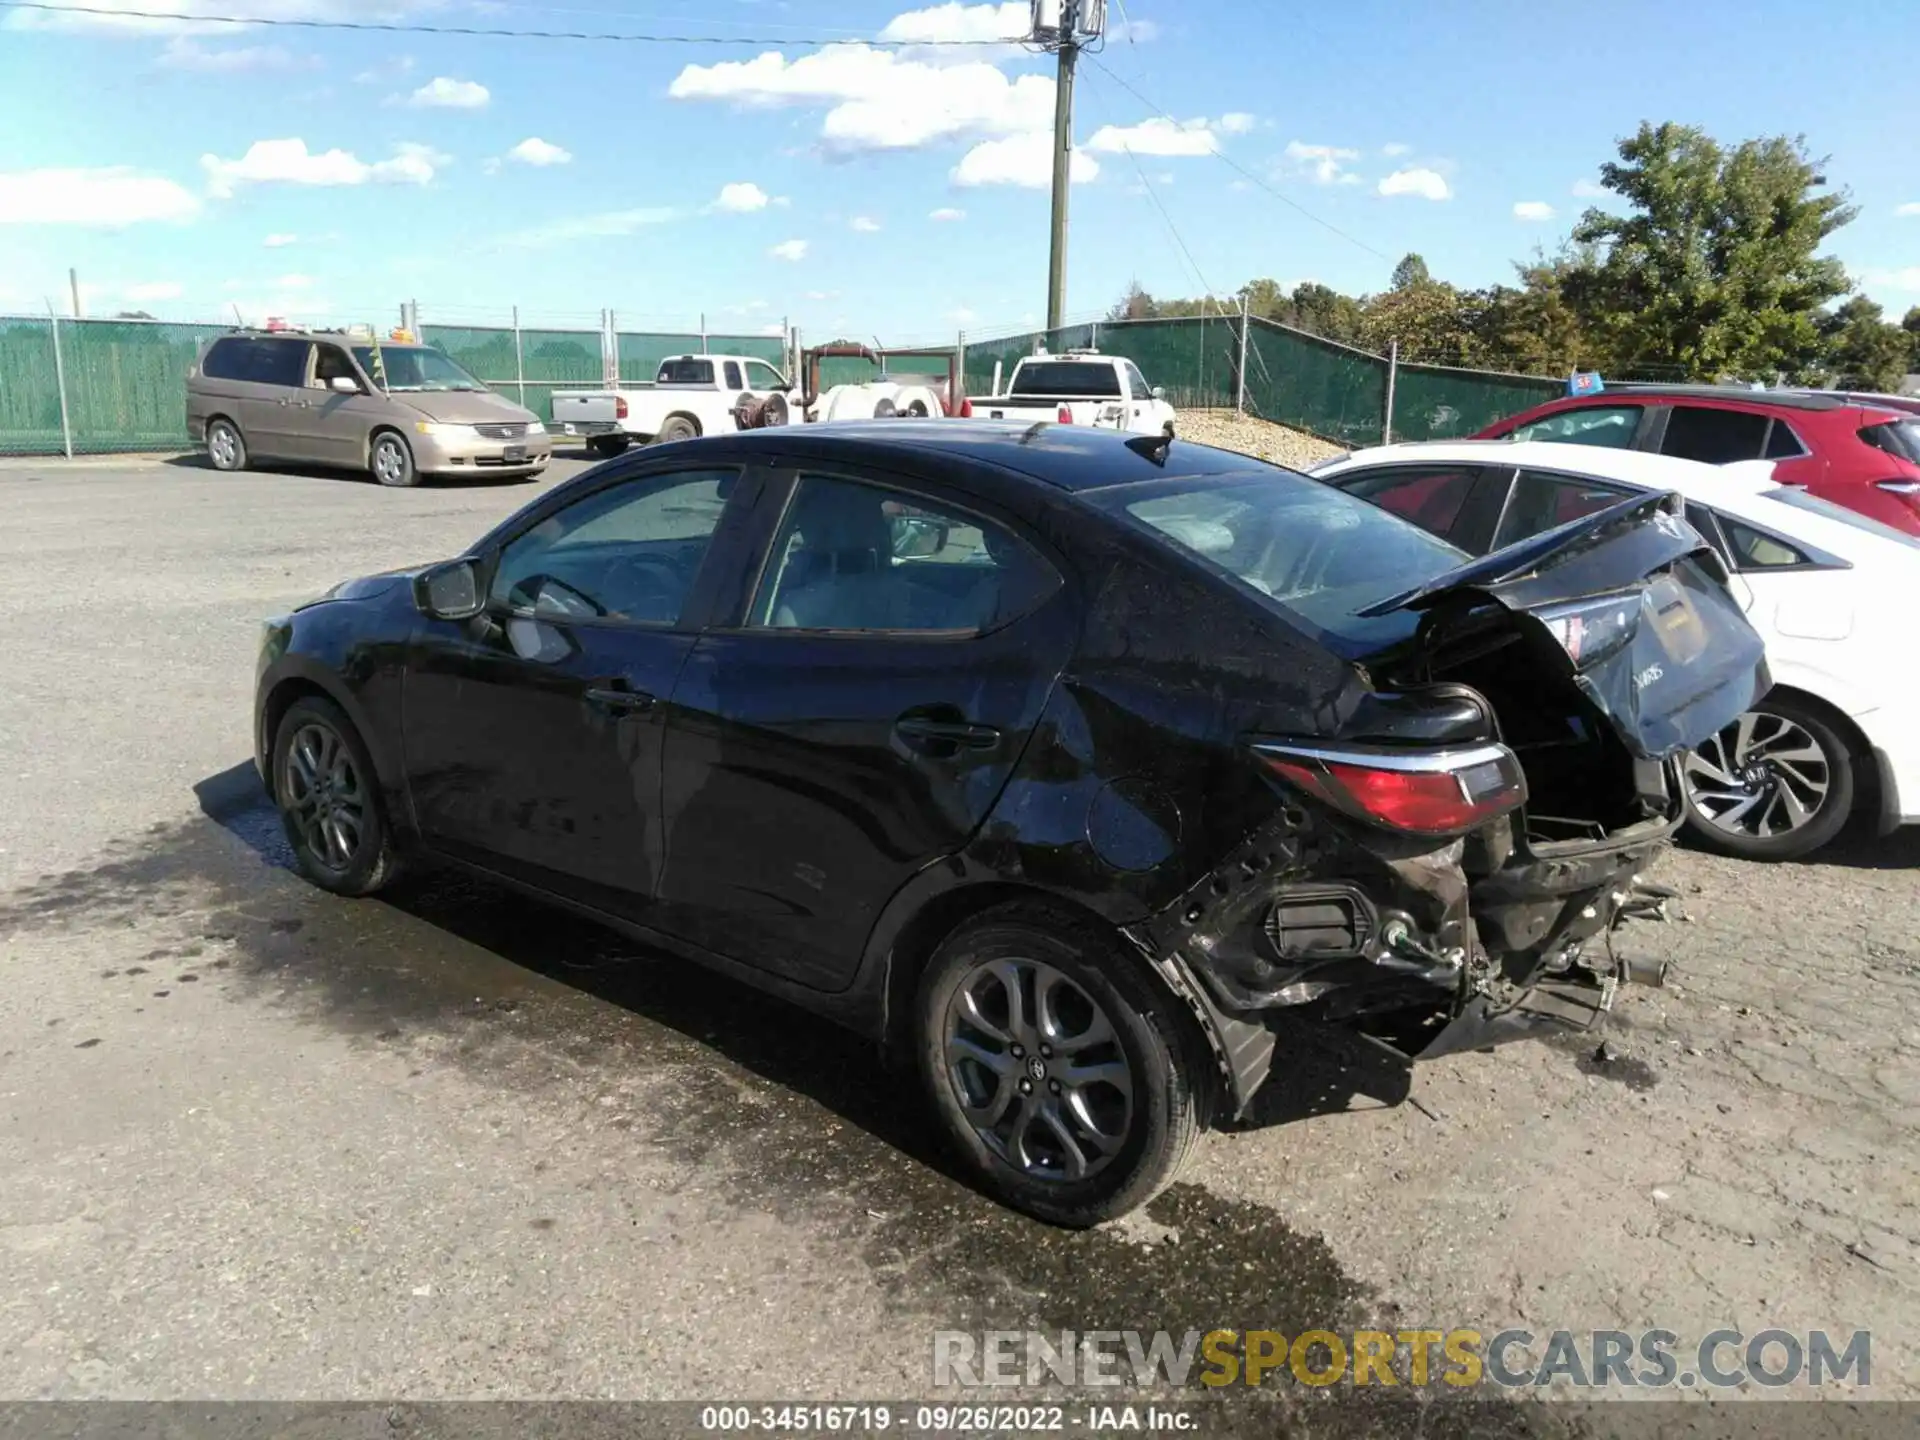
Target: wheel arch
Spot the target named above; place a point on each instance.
(1866, 773)
(385, 427)
(686, 415)
(296, 681)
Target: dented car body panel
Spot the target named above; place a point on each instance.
(1286, 789)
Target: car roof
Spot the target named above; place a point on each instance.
(1731, 394)
(1074, 458)
(1739, 489)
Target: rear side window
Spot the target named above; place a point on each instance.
(1072, 379)
(685, 372)
(1714, 437)
(279, 362)
(1610, 425)
(1430, 496)
(1782, 443)
(228, 359)
(1541, 501)
(733, 375)
(1756, 550)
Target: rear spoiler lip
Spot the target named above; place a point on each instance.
(1523, 557)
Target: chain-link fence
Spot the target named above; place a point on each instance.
(100, 386)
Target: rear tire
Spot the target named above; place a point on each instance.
(605, 447)
(328, 795)
(676, 427)
(226, 450)
(1113, 1099)
(391, 461)
(1756, 791)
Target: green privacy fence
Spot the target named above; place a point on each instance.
(1294, 378)
(119, 385)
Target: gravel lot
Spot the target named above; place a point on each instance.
(258, 1143)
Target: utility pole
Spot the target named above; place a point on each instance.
(1078, 21)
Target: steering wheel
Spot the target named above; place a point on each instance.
(550, 593)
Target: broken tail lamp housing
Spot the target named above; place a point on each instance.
(1417, 792)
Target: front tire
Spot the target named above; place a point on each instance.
(1777, 784)
(328, 795)
(676, 427)
(391, 461)
(226, 450)
(1059, 1069)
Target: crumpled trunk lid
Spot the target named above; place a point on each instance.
(1634, 604)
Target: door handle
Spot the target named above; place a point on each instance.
(924, 732)
(619, 699)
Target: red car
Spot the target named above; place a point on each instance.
(1859, 451)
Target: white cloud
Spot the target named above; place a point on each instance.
(289, 162)
(1325, 163)
(954, 21)
(742, 197)
(599, 226)
(1532, 210)
(789, 250)
(445, 93)
(1394, 148)
(1024, 160)
(155, 290)
(1912, 207)
(876, 99)
(1427, 184)
(280, 242)
(865, 224)
(1158, 136)
(107, 198)
(1905, 278)
(1236, 122)
(1589, 189)
(946, 215)
(535, 151)
(184, 53)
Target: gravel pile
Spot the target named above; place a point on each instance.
(1253, 437)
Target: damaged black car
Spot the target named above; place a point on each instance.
(1060, 762)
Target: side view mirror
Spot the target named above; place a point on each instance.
(915, 537)
(1159, 392)
(450, 591)
(344, 385)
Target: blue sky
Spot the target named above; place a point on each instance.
(189, 169)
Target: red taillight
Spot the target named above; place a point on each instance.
(619, 407)
(1065, 417)
(1423, 792)
(966, 408)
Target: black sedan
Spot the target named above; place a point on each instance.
(1060, 762)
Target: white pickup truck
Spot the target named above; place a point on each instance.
(1081, 387)
(690, 395)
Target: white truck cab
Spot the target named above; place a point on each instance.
(1081, 387)
(690, 395)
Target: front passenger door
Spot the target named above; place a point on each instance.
(857, 723)
(533, 732)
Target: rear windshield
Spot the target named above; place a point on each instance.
(1896, 437)
(1801, 500)
(1071, 379)
(1317, 552)
(685, 372)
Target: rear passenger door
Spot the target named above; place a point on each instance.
(855, 718)
(274, 407)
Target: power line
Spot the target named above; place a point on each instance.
(49, 7)
(1249, 175)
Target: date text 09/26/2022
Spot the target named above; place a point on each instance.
(876, 1419)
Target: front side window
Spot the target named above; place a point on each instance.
(414, 367)
(853, 556)
(1431, 496)
(1136, 382)
(1713, 436)
(1609, 425)
(1540, 501)
(762, 376)
(331, 364)
(629, 552)
(1318, 552)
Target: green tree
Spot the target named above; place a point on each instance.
(1866, 352)
(1910, 322)
(1715, 265)
(1136, 304)
(1325, 312)
(1431, 320)
(1411, 271)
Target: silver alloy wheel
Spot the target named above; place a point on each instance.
(1038, 1069)
(222, 447)
(322, 790)
(1763, 775)
(389, 460)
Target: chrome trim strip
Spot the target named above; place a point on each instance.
(1412, 762)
